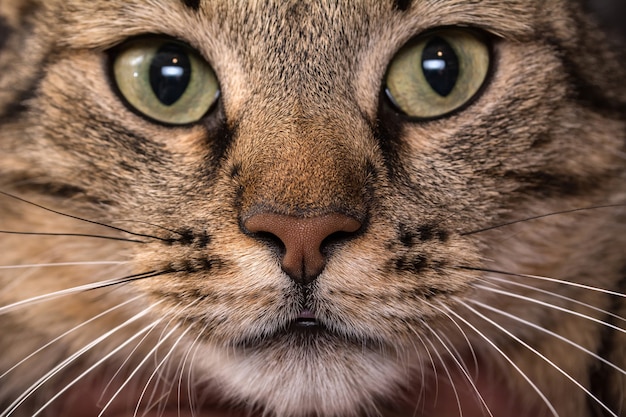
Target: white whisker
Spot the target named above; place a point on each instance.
(462, 367)
(157, 368)
(539, 354)
(95, 365)
(509, 360)
(423, 375)
(69, 291)
(54, 371)
(50, 296)
(192, 347)
(191, 375)
(181, 374)
(159, 365)
(560, 281)
(126, 360)
(137, 368)
(551, 333)
(453, 350)
(63, 264)
(467, 341)
(552, 306)
(447, 371)
(56, 339)
(555, 295)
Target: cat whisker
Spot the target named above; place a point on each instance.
(541, 216)
(453, 350)
(183, 363)
(462, 367)
(555, 295)
(463, 333)
(68, 361)
(552, 306)
(156, 370)
(87, 235)
(63, 264)
(548, 279)
(80, 288)
(190, 375)
(432, 364)
(74, 329)
(147, 224)
(539, 354)
(517, 369)
(146, 330)
(549, 332)
(137, 369)
(82, 219)
(126, 360)
(447, 371)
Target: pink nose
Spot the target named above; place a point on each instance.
(303, 239)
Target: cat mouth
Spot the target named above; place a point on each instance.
(306, 320)
(306, 331)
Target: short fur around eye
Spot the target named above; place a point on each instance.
(299, 245)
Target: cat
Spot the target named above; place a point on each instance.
(299, 208)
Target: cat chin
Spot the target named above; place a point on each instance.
(331, 379)
(303, 380)
(278, 383)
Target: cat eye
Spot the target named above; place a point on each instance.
(165, 80)
(438, 73)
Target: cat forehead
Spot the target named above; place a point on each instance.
(102, 23)
(266, 45)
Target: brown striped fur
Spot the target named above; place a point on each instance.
(302, 128)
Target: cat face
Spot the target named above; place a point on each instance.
(304, 208)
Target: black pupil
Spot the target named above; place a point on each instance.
(440, 65)
(170, 72)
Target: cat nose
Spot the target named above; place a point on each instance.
(303, 239)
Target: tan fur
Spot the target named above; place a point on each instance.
(309, 133)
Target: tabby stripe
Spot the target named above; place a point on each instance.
(192, 4)
(592, 96)
(387, 129)
(26, 183)
(587, 94)
(219, 137)
(402, 4)
(19, 106)
(5, 31)
(555, 184)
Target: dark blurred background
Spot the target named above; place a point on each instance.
(612, 14)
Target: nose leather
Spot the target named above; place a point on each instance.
(303, 239)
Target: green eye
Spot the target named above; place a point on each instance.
(165, 80)
(438, 73)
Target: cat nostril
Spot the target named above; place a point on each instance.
(303, 239)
